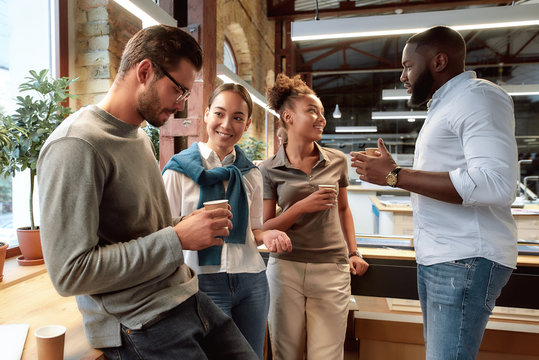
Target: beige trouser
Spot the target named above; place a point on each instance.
(308, 309)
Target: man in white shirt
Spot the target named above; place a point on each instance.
(463, 184)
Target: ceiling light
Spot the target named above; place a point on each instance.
(411, 120)
(395, 94)
(337, 112)
(384, 25)
(227, 76)
(513, 90)
(393, 115)
(148, 11)
(356, 129)
(521, 90)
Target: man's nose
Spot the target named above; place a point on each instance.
(180, 105)
(403, 78)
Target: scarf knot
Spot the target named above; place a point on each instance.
(189, 162)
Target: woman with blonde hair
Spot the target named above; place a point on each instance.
(309, 286)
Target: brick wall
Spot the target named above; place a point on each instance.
(102, 28)
(251, 35)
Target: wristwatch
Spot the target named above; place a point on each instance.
(391, 178)
(355, 253)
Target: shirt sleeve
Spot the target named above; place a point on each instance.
(270, 192)
(71, 180)
(173, 188)
(256, 201)
(343, 180)
(485, 124)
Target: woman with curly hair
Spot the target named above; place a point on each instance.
(309, 286)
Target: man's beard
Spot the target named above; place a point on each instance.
(149, 107)
(421, 89)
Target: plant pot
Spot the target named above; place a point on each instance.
(30, 243)
(3, 250)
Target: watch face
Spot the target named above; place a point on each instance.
(391, 179)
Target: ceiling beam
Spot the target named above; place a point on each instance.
(285, 9)
(386, 61)
(397, 68)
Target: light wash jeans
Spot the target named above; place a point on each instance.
(245, 298)
(457, 299)
(194, 330)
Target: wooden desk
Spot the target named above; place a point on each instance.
(398, 220)
(361, 207)
(34, 301)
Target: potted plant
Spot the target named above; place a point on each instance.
(24, 134)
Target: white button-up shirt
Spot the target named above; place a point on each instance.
(183, 194)
(469, 132)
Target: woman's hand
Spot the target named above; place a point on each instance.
(276, 241)
(322, 199)
(358, 266)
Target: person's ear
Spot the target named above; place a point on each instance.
(247, 124)
(144, 71)
(287, 117)
(439, 62)
(206, 114)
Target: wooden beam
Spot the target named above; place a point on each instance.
(285, 9)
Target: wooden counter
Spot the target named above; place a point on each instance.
(28, 297)
(393, 329)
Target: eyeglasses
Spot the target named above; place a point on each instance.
(184, 93)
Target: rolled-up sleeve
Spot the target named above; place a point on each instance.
(489, 146)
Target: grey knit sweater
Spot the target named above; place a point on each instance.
(106, 226)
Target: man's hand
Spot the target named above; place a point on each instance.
(358, 266)
(198, 230)
(373, 169)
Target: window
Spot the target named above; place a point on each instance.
(22, 48)
(229, 60)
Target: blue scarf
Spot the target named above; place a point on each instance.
(189, 162)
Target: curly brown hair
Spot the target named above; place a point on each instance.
(285, 90)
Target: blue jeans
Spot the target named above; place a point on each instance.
(245, 298)
(195, 329)
(457, 299)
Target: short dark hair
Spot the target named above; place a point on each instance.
(164, 46)
(441, 38)
(236, 88)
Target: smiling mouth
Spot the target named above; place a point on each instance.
(223, 134)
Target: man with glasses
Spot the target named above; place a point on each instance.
(106, 227)
(462, 184)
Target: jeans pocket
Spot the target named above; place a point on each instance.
(461, 263)
(499, 276)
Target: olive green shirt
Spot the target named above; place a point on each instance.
(316, 237)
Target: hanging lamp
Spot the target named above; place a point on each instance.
(336, 112)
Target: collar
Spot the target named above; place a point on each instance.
(454, 84)
(281, 159)
(211, 158)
